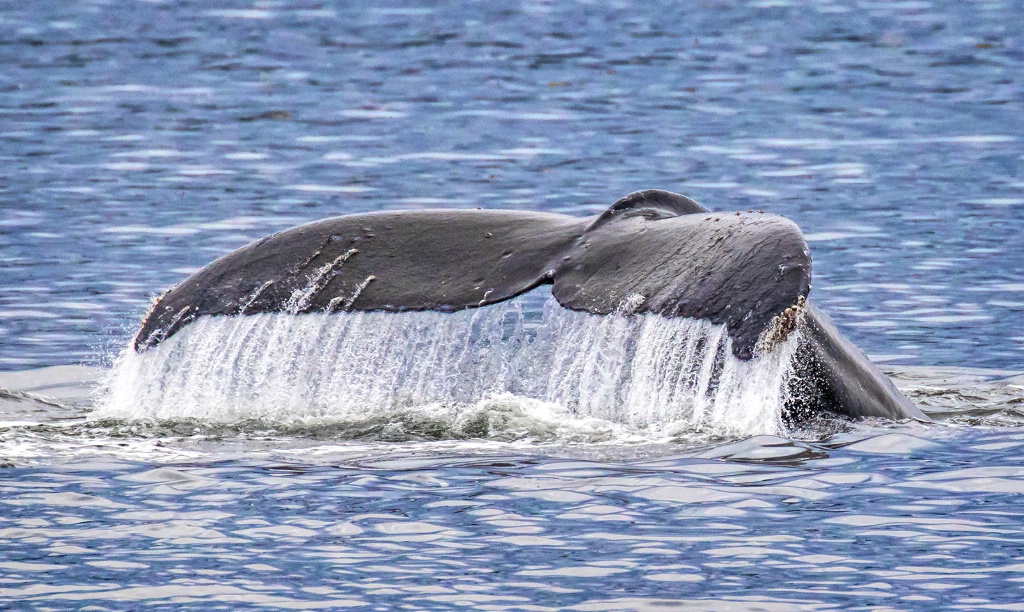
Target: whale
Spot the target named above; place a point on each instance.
(651, 252)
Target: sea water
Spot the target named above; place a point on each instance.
(516, 457)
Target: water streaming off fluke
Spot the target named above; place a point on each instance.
(640, 375)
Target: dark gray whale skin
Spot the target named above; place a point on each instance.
(652, 251)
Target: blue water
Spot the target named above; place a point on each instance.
(141, 140)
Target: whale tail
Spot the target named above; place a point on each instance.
(652, 251)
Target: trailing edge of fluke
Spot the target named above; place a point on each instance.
(652, 251)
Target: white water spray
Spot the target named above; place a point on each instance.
(642, 374)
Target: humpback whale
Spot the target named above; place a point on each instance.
(652, 251)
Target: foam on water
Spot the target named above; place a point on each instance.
(621, 375)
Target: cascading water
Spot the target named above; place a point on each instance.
(639, 374)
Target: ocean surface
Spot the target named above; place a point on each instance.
(517, 457)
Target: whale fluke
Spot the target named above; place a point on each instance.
(652, 251)
(649, 204)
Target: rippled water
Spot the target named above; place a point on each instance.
(196, 513)
(141, 140)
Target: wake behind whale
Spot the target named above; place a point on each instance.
(636, 375)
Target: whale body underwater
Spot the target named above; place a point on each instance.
(651, 252)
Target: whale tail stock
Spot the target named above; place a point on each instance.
(652, 251)
(832, 371)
